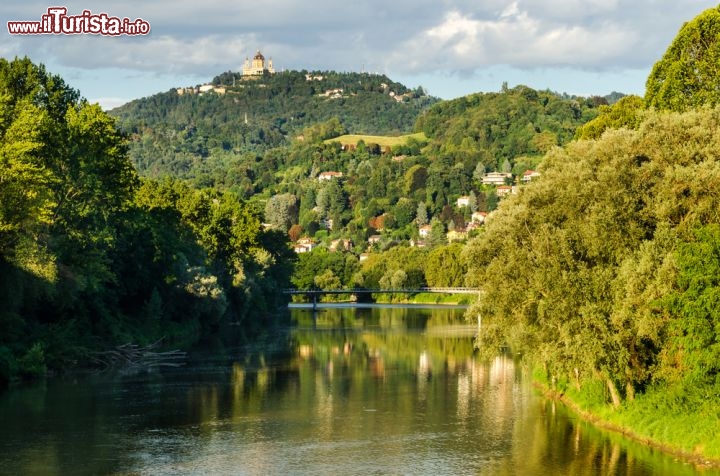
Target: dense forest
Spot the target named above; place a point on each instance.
(93, 256)
(181, 132)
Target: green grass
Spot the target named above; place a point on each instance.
(674, 421)
(382, 141)
(427, 298)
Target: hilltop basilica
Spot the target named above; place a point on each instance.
(257, 67)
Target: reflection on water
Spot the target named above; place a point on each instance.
(348, 391)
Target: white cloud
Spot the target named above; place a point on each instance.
(204, 38)
(515, 38)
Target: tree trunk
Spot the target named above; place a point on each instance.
(614, 395)
(629, 391)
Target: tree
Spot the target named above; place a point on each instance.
(445, 267)
(594, 282)
(281, 211)
(327, 280)
(473, 201)
(686, 75)
(295, 232)
(421, 216)
(624, 113)
(404, 212)
(414, 179)
(437, 235)
(694, 354)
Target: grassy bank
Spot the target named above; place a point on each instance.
(426, 298)
(422, 298)
(671, 421)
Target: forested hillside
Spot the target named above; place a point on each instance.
(176, 132)
(500, 130)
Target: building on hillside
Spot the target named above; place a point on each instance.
(424, 231)
(463, 201)
(496, 178)
(478, 217)
(505, 190)
(529, 175)
(201, 89)
(329, 175)
(304, 245)
(257, 67)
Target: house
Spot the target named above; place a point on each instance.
(478, 217)
(424, 231)
(463, 201)
(329, 175)
(374, 239)
(473, 225)
(528, 175)
(341, 244)
(336, 93)
(496, 178)
(504, 190)
(304, 245)
(363, 256)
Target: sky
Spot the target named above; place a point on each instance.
(449, 47)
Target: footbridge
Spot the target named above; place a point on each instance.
(314, 294)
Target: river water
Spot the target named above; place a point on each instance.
(353, 391)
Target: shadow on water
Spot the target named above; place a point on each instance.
(351, 391)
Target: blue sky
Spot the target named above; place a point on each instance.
(450, 47)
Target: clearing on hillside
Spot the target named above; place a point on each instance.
(382, 141)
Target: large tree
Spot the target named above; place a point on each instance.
(575, 267)
(687, 75)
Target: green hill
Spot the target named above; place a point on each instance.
(175, 132)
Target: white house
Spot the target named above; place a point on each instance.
(496, 178)
(528, 175)
(329, 175)
(478, 217)
(304, 245)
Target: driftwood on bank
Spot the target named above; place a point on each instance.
(132, 356)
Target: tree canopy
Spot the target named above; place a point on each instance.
(92, 256)
(686, 75)
(576, 268)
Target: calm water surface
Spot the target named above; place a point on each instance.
(358, 391)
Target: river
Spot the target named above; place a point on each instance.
(353, 391)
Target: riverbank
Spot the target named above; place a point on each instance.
(427, 298)
(692, 436)
(422, 298)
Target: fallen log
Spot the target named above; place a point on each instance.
(133, 356)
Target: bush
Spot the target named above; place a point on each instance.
(32, 364)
